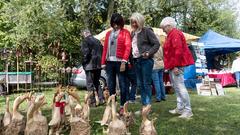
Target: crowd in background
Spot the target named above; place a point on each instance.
(138, 60)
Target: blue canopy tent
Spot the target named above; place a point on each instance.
(217, 44)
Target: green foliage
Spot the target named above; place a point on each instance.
(193, 16)
(212, 14)
(48, 27)
(40, 27)
(50, 66)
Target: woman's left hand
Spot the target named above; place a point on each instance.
(123, 67)
(145, 55)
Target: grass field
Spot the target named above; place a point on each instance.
(212, 115)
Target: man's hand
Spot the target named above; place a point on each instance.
(123, 67)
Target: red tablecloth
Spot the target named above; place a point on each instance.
(226, 78)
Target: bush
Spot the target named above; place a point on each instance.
(50, 66)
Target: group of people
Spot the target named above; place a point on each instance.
(136, 58)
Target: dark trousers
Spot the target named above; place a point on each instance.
(92, 78)
(144, 78)
(132, 82)
(113, 70)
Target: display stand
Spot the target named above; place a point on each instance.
(210, 87)
(201, 63)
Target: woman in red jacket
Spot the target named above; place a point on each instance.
(115, 55)
(176, 57)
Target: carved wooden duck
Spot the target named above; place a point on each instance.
(128, 117)
(116, 126)
(147, 126)
(36, 122)
(58, 111)
(107, 115)
(80, 121)
(7, 115)
(18, 123)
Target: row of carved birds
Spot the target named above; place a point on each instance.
(70, 113)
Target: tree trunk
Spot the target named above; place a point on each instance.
(110, 10)
(85, 12)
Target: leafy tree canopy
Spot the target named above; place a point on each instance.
(42, 28)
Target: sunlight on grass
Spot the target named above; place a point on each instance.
(201, 109)
(218, 128)
(174, 119)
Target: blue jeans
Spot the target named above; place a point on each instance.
(157, 77)
(144, 78)
(113, 70)
(237, 75)
(132, 82)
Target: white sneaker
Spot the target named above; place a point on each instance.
(176, 111)
(131, 101)
(138, 113)
(186, 115)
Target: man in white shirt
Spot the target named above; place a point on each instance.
(236, 69)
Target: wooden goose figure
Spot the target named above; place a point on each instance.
(17, 124)
(107, 115)
(147, 126)
(7, 115)
(128, 117)
(116, 126)
(55, 122)
(80, 121)
(36, 122)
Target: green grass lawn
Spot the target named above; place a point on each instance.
(212, 115)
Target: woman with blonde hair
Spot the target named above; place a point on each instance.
(144, 45)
